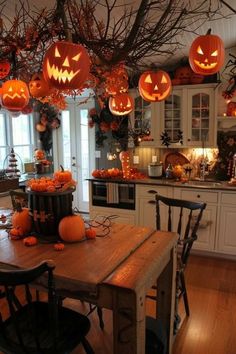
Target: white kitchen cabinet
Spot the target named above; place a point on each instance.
(190, 109)
(207, 230)
(144, 118)
(146, 206)
(226, 236)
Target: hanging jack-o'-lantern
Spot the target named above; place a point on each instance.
(154, 86)
(5, 68)
(38, 86)
(121, 104)
(15, 95)
(125, 164)
(207, 54)
(66, 65)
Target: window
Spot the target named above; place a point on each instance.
(16, 133)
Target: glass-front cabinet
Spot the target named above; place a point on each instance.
(201, 117)
(143, 120)
(173, 116)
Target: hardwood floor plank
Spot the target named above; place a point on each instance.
(210, 329)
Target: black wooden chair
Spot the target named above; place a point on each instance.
(38, 327)
(18, 197)
(183, 217)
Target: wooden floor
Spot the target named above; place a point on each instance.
(211, 327)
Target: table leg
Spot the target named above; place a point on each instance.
(166, 289)
(128, 322)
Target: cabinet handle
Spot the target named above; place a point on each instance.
(189, 139)
(198, 196)
(151, 202)
(151, 191)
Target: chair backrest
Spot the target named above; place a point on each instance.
(18, 197)
(10, 280)
(183, 217)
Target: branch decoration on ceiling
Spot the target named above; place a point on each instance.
(93, 44)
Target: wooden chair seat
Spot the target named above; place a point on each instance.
(39, 327)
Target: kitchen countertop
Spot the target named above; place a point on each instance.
(206, 184)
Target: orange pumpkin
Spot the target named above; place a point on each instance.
(39, 154)
(16, 233)
(121, 104)
(154, 86)
(59, 246)
(38, 86)
(90, 233)
(62, 176)
(66, 65)
(15, 95)
(207, 54)
(30, 241)
(21, 219)
(71, 228)
(183, 74)
(125, 163)
(5, 68)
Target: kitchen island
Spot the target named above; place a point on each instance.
(215, 236)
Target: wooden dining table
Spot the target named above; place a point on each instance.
(114, 272)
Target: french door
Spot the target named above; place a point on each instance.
(74, 148)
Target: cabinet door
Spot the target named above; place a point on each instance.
(227, 226)
(172, 113)
(99, 214)
(207, 230)
(200, 118)
(146, 205)
(143, 120)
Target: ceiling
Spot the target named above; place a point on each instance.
(224, 27)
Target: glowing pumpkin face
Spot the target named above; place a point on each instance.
(5, 68)
(66, 65)
(38, 86)
(121, 104)
(154, 86)
(15, 95)
(207, 54)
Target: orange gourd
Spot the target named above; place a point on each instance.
(90, 233)
(71, 228)
(63, 176)
(207, 54)
(30, 241)
(22, 219)
(59, 246)
(16, 233)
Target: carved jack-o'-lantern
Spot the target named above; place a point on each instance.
(66, 65)
(121, 104)
(206, 55)
(154, 86)
(38, 86)
(15, 95)
(5, 68)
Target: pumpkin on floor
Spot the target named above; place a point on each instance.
(72, 228)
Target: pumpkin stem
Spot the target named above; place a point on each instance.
(209, 31)
(18, 207)
(62, 168)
